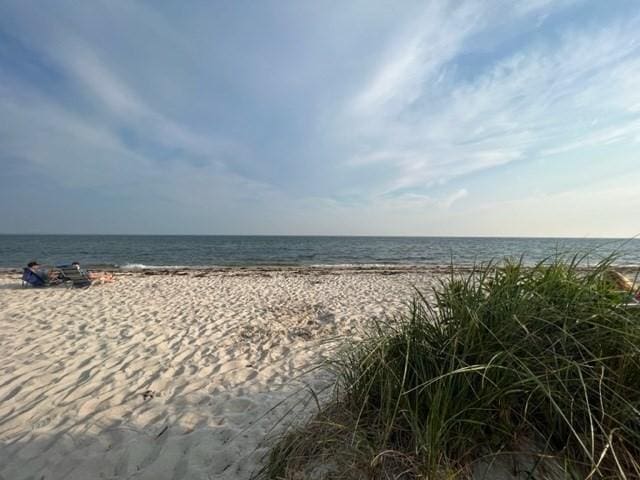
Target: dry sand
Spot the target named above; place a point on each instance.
(170, 376)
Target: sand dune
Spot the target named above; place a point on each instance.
(169, 377)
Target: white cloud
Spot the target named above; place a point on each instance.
(425, 124)
(454, 197)
(416, 57)
(105, 92)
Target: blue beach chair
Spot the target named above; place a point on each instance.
(30, 278)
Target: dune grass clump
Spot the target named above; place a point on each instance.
(532, 368)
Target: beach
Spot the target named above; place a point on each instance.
(174, 374)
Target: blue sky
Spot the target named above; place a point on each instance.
(390, 118)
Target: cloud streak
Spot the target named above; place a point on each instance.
(549, 97)
(258, 118)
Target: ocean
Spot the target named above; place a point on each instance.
(142, 251)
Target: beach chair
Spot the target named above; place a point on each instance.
(30, 278)
(77, 278)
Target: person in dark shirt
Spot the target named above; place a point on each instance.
(40, 276)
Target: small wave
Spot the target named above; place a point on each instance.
(360, 265)
(141, 266)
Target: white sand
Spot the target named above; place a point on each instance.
(215, 354)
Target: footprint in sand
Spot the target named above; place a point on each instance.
(43, 422)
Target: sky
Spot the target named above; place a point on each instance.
(497, 118)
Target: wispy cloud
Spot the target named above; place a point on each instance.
(300, 119)
(431, 124)
(415, 58)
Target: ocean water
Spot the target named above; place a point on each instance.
(140, 251)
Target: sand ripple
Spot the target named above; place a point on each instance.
(168, 377)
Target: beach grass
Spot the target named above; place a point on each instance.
(509, 371)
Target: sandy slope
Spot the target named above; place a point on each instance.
(168, 377)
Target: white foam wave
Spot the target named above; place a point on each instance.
(141, 266)
(361, 265)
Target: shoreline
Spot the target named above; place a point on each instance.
(261, 269)
(234, 270)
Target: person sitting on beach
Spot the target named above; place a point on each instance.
(623, 284)
(42, 276)
(103, 277)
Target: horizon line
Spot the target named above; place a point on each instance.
(550, 237)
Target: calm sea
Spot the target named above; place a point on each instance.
(133, 251)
